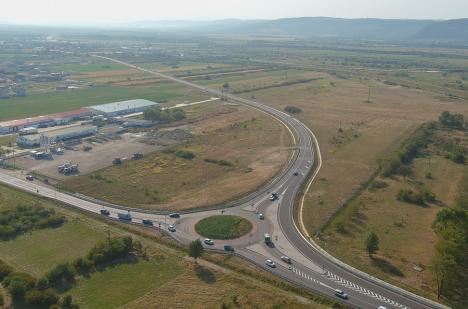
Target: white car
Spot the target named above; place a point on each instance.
(171, 228)
(261, 216)
(382, 307)
(209, 242)
(270, 263)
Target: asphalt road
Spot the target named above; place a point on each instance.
(312, 268)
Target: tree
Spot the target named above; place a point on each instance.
(372, 243)
(195, 249)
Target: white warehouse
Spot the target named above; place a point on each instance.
(123, 107)
(55, 136)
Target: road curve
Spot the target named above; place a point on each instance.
(314, 269)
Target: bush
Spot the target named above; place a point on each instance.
(185, 154)
(164, 116)
(106, 251)
(452, 120)
(83, 266)
(60, 274)
(26, 218)
(411, 196)
(19, 283)
(292, 109)
(41, 298)
(5, 270)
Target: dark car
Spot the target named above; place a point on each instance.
(174, 215)
(147, 222)
(30, 177)
(105, 212)
(228, 248)
(341, 294)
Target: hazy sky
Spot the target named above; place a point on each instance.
(102, 11)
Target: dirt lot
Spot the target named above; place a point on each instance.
(236, 150)
(99, 157)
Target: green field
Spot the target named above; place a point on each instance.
(41, 250)
(223, 227)
(88, 67)
(123, 283)
(47, 103)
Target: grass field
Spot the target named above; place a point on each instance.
(47, 103)
(223, 227)
(164, 280)
(254, 146)
(123, 283)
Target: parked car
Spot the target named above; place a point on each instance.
(270, 263)
(171, 228)
(341, 294)
(209, 242)
(228, 248)
(174, 215)
(286, 259)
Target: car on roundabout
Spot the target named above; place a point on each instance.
(286, 259)
(208, 242)
(171, 228)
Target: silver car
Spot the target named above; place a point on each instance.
(270, 263)
(171, 228)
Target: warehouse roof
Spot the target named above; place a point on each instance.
(123, 105)
(54, 133)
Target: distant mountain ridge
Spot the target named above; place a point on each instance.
(327, 27)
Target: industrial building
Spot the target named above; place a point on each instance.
(28, 141)
(14, 126)
(123, 107)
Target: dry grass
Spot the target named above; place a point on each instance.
(204, 287)
(370, 130)
(405, 230)
(256, 145)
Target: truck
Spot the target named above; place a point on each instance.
(268, 239)
(124, 216)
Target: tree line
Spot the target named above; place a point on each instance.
(450, 262)
(41, 292)
(164, 115)
(23, 219)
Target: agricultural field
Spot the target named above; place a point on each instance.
(234, 149)
(133, 283)
(48, 103)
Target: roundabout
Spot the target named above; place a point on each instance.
(223, 227)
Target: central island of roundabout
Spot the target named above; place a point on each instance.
(223, 227)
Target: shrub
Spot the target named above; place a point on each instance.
(19, 283)
(185, 154)
(292, 109)
(411, 196)
(5, 270)
(41, 298)
(83, 266)
(61, 273)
